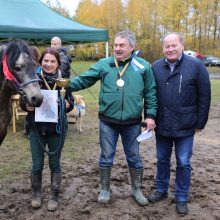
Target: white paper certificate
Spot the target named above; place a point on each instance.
(48, 111)
(145, 135)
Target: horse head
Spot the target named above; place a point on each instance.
(19, 68)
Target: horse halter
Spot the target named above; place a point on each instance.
(9, 76)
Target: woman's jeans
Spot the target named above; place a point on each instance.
(38, 154)
(109, 134)
(183, 152)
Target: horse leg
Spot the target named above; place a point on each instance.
(2, 136)
(4, 122)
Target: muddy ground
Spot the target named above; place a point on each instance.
(80, 183)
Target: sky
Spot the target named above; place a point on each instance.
(70, 5)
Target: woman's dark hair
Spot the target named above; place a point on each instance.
(50, 51)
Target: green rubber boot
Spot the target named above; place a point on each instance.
(53, 202)
(36, 185)
(136, 184)
(105, 175)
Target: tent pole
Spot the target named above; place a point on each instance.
(106, 49)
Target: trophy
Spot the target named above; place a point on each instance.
(62, 82)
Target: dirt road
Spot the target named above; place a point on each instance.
(80, 183)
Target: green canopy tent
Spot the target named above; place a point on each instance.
(33, 21)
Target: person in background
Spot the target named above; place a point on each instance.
(65, 58)
(183, 94)
(46, 133)
(127, 88)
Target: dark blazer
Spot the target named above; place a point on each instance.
(183, 96)
(65, 63)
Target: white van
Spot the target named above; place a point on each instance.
(190, 53)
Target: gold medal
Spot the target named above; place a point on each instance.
(120, 82)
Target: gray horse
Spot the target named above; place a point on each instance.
(17, 75)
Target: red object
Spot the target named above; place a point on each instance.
(6, 71)
(199, 55)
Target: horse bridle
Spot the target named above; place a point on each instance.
(9, 76)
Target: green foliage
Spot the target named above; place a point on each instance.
(92, 51)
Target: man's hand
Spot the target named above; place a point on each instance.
(150, 124)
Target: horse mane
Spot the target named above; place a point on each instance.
(13, 50)
(2, 47)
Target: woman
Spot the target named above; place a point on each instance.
(47, 133)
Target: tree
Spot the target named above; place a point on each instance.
(58, 8)
(197, 20)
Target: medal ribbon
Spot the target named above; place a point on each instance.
(121, 73)
(45, 82)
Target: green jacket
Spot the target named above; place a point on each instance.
(121, 105)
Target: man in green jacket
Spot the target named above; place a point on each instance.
(127, 88)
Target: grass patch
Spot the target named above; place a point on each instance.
(90, 94)
(15, 153)
(215, 85)
(78, 67)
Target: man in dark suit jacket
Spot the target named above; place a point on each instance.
(183, 94)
